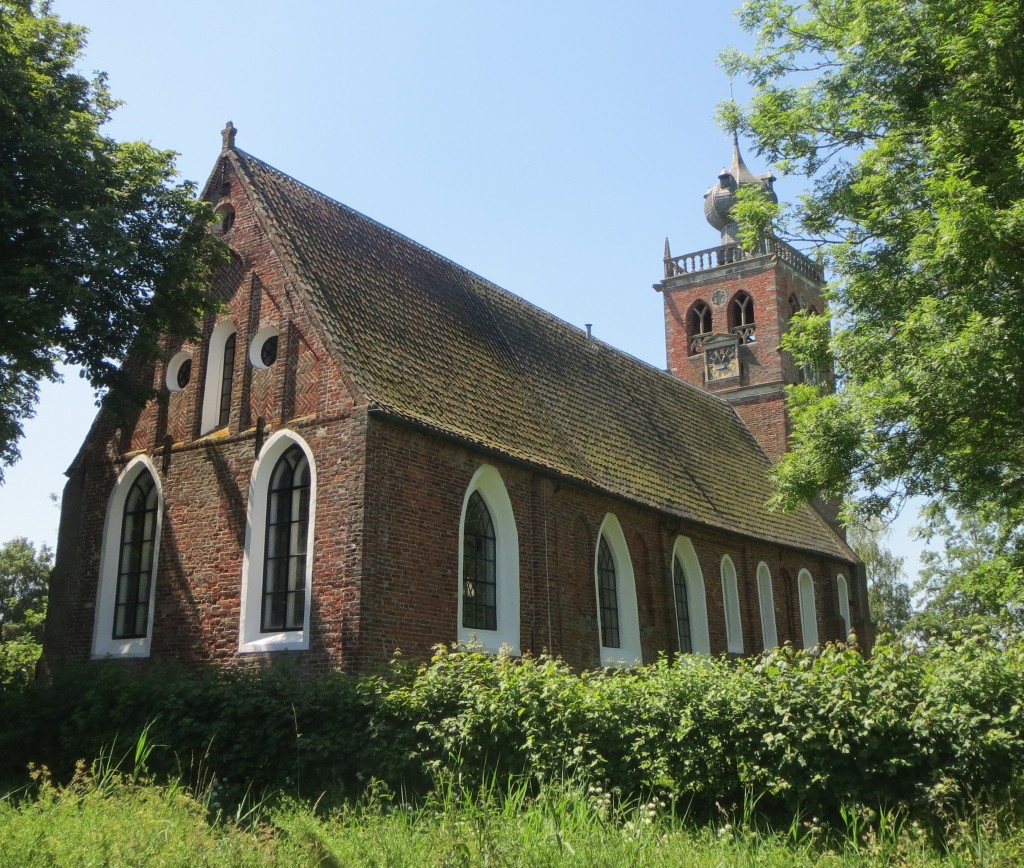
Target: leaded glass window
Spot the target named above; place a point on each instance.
(608, 595)
(479, 567)
(284, 583)
(682, 608)
(135, 561)
(225, 383)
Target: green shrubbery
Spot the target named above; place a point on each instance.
(931, 732)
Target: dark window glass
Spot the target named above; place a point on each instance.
(284, 578)
(135, 564)
(268, 352)
(608, 595)
(742, 310)
(699, 325)
(682, 608)
(225, 384)
(184, 373)
(741, 317)
(479, 580)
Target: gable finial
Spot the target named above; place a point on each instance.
(229, 132)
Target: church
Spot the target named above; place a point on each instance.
(372, 449)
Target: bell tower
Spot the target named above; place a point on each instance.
(726, 309)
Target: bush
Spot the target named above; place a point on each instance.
(922, 731)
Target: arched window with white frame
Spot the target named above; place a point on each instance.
(843, 590)
(277, 564)
(618, 621)
(488, 603)
(129, 556)
(731, 602)
(220, 372)
(766, 601)
(688, 586)
(808, 610)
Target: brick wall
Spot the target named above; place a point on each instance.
(388, 504)
(415, 487)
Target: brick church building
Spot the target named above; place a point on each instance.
(374, 449)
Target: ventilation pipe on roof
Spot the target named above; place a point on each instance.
(589, 325)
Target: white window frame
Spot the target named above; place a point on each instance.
(215, 374)
(251, 639)
(731, 604)
(766, 601)
(808, 610)
(696, 598)
(103, 645)
(487, 482)
(629, 652)
(844, 604)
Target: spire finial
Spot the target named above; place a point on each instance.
(668, 252)
(228, 133)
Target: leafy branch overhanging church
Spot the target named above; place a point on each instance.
(374, 449)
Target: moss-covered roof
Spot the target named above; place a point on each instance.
(431, 342)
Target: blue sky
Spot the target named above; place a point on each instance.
(549, 146)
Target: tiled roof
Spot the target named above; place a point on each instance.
(433, 343)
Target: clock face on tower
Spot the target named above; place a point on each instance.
(722, 362)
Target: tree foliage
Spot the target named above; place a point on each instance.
(101, 250)
(977, 576)
(24, 583)
(888, 591)
(908, 117)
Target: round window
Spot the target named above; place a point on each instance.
(179, 371)
(263, 348)
(268, 352)
(224, 219)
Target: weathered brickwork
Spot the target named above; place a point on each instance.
(389, 492)
(416, 484)
(774, 287)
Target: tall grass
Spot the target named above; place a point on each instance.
(105, 816)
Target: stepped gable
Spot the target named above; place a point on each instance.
(430, 342)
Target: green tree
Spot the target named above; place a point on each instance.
(24, 580)
(907, 116)
(977, 576)
(100, 250)
(888, 591)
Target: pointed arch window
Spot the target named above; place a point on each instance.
(766, 600)
(808, 609)
(698, 326)
(220, 372)
(128, 563)
(284, 583)
(277, 566)
(684, 633)
(741, 316)
(479, 567)
(608, 595)
(488, 594)
(842, 589)
(618, 621)
(690, 599)
(731, 602)
(135, 567)
(227, 375)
